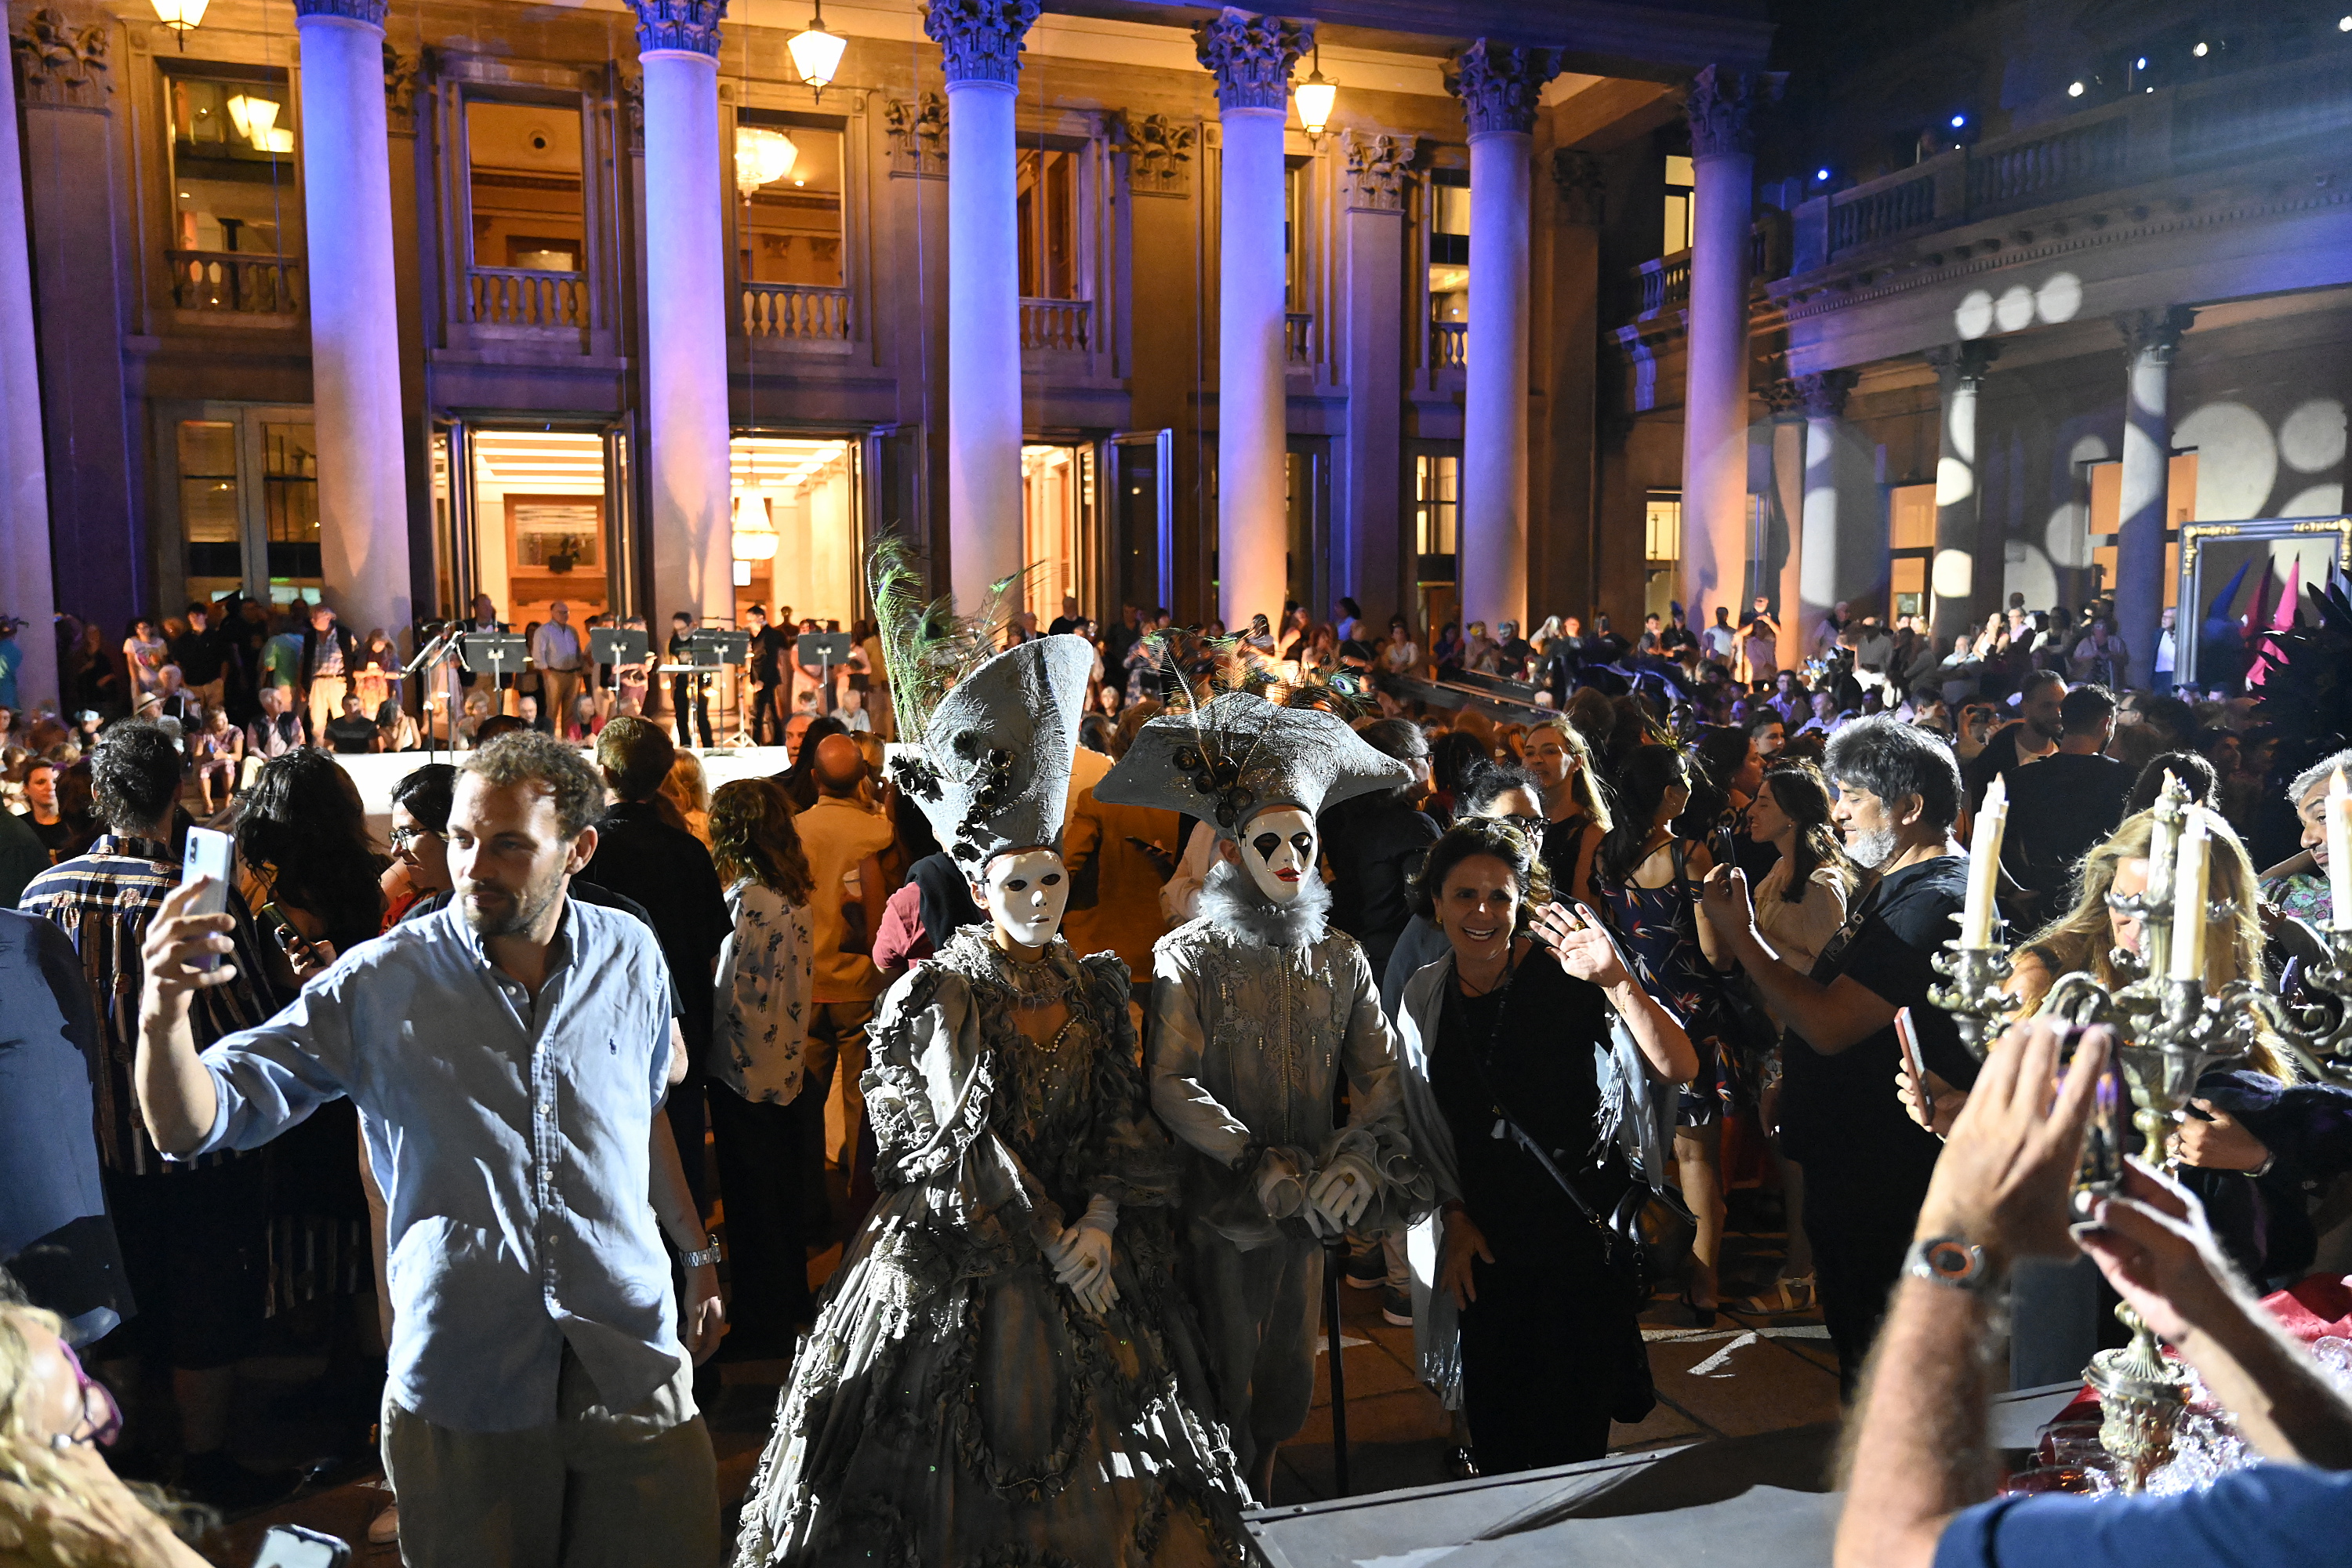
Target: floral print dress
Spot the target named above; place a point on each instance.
(766, 977)
(1659, 926)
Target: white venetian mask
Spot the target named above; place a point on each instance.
(1279, 847)
(1025, 892)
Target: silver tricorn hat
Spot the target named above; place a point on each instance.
(1237, 754)
(993, 769)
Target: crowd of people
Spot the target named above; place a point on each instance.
(1227, 951)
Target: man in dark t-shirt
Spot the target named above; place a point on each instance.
(2061, 807)
(2035, 734)
(1866, 1162)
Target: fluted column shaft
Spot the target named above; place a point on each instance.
(980, 42)
(1499, 86)
(685, 311)
(28, 589)
(1714, 396)
(1952, 587)
(355, 314)
(2152, 338)
(1250, 57)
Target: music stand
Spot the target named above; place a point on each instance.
(831, 648)
(495, 654)
(616, 645)
(710, 648)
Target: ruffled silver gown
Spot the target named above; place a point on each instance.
(954, 1404)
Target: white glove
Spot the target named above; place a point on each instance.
(1081, 1259)
(1281, 1184)
(1340, 1195)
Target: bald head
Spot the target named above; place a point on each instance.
(840, 765)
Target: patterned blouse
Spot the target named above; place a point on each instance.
(765, 989)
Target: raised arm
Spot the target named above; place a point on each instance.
(1832, 1018)
(176, 1097)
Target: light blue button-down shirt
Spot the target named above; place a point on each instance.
(510, 1137)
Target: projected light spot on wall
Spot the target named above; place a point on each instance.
(2013, 312)
(1973, 319)
(1955, 574)
(2060, 298)
(2237, 460)
(2311, 439)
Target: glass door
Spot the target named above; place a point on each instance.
(1142, 565)
(246, 489)
(1306, 474)
(1059, 536)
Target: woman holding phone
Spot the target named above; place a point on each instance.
(1518, 1320)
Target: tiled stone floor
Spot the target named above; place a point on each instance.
(1741, 1376)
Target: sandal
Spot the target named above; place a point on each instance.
(1789, 1294)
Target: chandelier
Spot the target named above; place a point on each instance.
(763, 157)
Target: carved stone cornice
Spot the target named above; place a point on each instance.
(1963, 364)
(918, 133)
(1374, 168)
(1501, 85)
(1722, 108)
(1583, 190)
(1784, 400)
(1158, 154)
(1823, 395)
(979, 40)
(65, 67)
(371, 12)
(400, 88)
(1250, 57)
(687, 26)
(2154, 335)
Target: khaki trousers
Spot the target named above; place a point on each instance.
(1260, 1311)
(326, 702)
(591, 1490)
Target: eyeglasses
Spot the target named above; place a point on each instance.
(1533, 826)
(101, 1419)
(406, 837)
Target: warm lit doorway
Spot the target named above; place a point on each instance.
(797, 537)
(1060, 539)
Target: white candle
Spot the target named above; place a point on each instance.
(2189, 877)
(2159, 847)
(1984, 866)
(2339, 850)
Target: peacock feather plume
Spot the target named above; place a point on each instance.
(927, 649)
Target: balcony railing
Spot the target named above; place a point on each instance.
(796, 312)
(1057, 326)
(1298, 339)
(2291, 110)
(232, 283)
(1449, 345)
(1664, 284)
(525, 296)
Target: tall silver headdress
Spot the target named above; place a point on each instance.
(1227, 757)
(994, 733)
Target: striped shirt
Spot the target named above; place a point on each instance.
(105, 901)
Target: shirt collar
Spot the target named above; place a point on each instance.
(132, 848)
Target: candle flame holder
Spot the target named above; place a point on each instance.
(1979, 1006)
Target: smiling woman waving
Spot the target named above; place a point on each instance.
(1530, 1053)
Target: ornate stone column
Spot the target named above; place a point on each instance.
(355, 314)
(1786, 400)
(2151, 338)
(1952, 585)
(27, 591)
(980, 45)
(1715, 398)
(1822, 570)
(1499, 86)
(685, 311)
(1250, 57)
(1373, 555)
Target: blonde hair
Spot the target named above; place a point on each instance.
(50, 1514)
(1585, 781)
(685, 784)
(2083, 939)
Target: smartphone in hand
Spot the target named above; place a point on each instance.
(208, 856)
(2101, 1173)
(1907, 1036)
(291, 1546)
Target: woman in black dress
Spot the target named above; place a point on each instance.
(1530, 1029)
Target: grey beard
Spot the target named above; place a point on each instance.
(1232, 902)
(1872, 850)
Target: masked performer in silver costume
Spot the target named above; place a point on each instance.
(1257, 1007)
(1002, 1371)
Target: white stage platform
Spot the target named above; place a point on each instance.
(379, 773)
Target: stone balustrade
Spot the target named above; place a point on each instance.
(794, 312)
(1449, 345)
(234, 282)
(525, 296)
(1057, 326)
(1298, 339)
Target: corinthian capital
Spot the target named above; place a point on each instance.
(1722, 109)
(1374, 167)
(1964, 364)
(1583, 191)
(372, 12)
(979, 40)
(1500, 85)
(1822, 395)
(689, 26)
(2154, 334)
(1252, 56)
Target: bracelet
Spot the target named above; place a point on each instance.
(2269, 1159)
(706, 1256)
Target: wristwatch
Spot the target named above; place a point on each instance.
(1951, 1260)
(698, 1259)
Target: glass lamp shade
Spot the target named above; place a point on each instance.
(256, 119)
(816, 54)
(180, 16)
(755, 531)
(1314, 97)
(763, 157)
